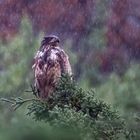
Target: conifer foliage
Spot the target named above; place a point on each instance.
(71, 107)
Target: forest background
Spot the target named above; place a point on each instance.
(103, 43)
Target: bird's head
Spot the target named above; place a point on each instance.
(51, 40)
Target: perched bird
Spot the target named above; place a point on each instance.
(50, 62)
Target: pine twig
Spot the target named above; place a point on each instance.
(17, 102)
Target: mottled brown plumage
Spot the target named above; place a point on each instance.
(50, 63)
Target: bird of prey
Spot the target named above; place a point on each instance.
(50, 62)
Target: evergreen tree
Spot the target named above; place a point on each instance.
(73, 108)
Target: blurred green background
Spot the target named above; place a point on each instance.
(114, 76)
